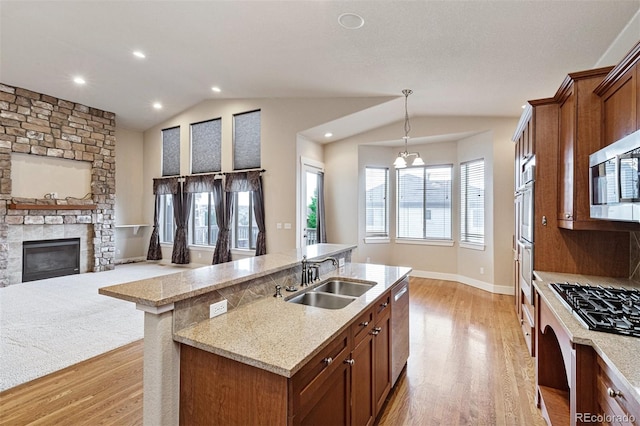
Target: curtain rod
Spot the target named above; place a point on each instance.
(213, 173)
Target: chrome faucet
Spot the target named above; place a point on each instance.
(311, 269)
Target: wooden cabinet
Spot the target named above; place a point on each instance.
(580, 134)
(346, 383)
(321, 389)
(620, 98)
(362, 371)
(614, 403)
(382, 352)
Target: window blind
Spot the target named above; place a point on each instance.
(246, 140)
(206, 146)
(472, 202)
(424, 202)
(376, 195)
(171, 151)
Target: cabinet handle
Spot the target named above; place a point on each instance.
(384, 305)
(350, 361)
(328, 360)
(521, 322)
(378, 329)
(613, 393)
(374, 332)
(364, 324)
(527, 334)
(568, 215)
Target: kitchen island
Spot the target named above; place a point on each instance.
(582, 374)
(258, 331)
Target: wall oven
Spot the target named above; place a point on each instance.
(525, 242)
(614, 180)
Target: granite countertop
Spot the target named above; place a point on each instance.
(619, 352)
(281, 337)
(172, 288)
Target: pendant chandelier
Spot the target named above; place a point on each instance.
(401, 160)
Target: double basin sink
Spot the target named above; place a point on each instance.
(333, 294)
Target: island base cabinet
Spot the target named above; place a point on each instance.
(219, 391)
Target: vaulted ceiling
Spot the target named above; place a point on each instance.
(477, 58)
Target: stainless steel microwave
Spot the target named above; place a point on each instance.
(614, 180)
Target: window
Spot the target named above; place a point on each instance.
(245, 230)
(472, 202)
(171, 151)
(376, 195)
(424, 203)
(206, 146)
(204, 228)
(167, 227)
(246, 140)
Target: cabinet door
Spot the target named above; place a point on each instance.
(382, 360)
(321, 389)
(362, 404)
(566, 158)
(619, 105)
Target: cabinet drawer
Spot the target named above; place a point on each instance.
(362, 326)
(321, 366)
(527, 332)
(614, 399)
(383, 306)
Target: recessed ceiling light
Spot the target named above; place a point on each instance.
(351, 21)
(157, 105)
(216, 89)
(328, 135)
(139, 54)
(79, 80)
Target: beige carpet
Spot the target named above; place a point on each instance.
(51, 324)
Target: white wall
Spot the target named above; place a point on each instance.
(345, 161)
(129, 195)
(281, 120)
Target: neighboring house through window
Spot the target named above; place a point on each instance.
(424, 203)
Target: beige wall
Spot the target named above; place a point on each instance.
(129, 195)
(282, 120)
(345, 161)
(33, 176)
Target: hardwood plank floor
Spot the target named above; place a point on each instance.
(468, 365)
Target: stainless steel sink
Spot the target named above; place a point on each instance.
(322, 300)
(346, 288)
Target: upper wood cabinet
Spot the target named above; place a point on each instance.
(620, 98)
(579, 130)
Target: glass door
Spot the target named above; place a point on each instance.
(309, 204)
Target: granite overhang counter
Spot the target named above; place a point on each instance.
(167, 289)
(280, 337)
(618, 351)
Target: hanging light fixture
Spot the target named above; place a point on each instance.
(401, 160)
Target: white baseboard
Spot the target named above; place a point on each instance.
(482, 285)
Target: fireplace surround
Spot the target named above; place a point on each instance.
(38, 124)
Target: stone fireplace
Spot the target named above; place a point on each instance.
(38, 124)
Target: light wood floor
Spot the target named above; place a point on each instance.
(468, 365)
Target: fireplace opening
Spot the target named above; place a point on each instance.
(50, 258)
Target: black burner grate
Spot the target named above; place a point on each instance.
(612, 310)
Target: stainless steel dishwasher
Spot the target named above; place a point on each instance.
(399, 329)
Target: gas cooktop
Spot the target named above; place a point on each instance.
(612, 310)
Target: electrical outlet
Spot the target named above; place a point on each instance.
(218, 308)
(341, 261)
(199, 255)
(481, 270)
